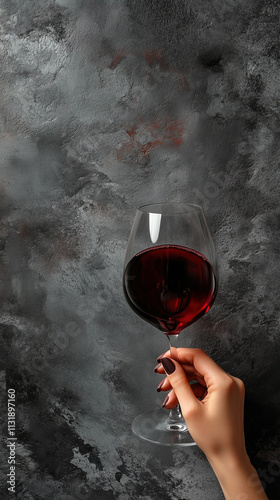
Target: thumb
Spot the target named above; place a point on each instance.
(180, 384)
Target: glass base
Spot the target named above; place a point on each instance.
(157, 427)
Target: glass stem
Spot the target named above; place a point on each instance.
(175, 414)
(173, 340)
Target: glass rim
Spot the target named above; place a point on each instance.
(178, 208)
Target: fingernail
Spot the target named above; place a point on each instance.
(160, 385)
(165, 401)
(168, 365)
(161, 356)
(157, 367)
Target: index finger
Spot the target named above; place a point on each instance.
(202, 363)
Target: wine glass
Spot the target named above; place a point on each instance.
(170, 280)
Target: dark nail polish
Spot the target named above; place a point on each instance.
(157, 367)
(168, 365)
(160, 386)
(165, 401)
(159, 358)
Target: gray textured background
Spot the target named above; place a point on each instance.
(106, 105)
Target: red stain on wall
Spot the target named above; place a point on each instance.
(155, 57)
(117, 59)
(131, 132)
(144, 137)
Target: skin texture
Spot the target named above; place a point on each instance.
(213, 409)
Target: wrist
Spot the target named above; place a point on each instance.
(237, 477)
(229, 460)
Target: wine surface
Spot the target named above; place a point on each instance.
(169, 286)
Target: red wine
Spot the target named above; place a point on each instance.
(169, 286)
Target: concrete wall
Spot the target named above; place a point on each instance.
(106, 105)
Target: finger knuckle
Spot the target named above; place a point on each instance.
(228, 383)
(241, 385)
(233, 384)
(199, 351)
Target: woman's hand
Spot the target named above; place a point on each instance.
(216, 421)
(213, 408)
